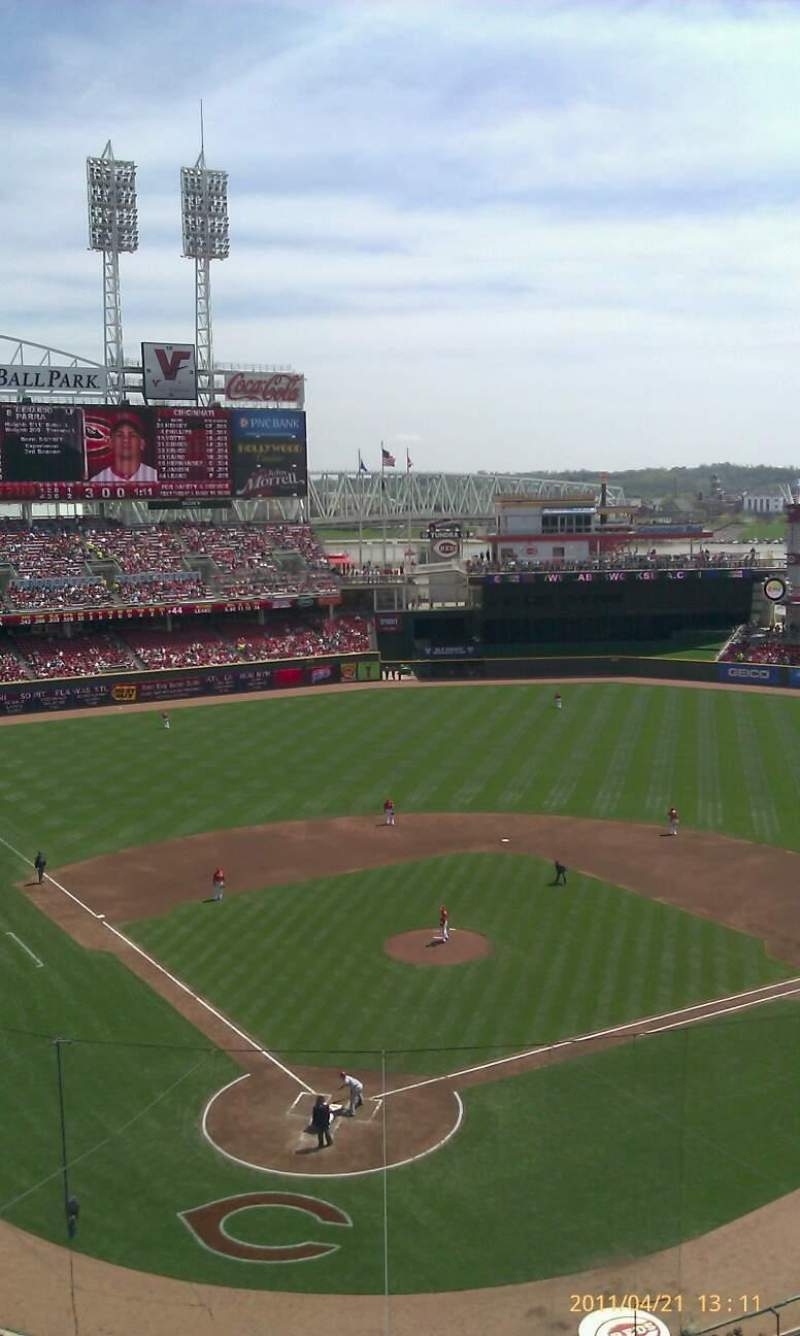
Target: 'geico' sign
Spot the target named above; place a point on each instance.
(751, 674)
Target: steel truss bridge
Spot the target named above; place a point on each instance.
(333, 498)
(344, 498)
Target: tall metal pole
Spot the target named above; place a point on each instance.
(360, 514)
(64, 1170)
(383, 503)
(113, 228)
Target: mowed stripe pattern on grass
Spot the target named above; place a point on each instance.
(564, 961)
(625, 752)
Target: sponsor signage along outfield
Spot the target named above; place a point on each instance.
(90, 380)
(266, 387)
(169, 371)
(750, 674)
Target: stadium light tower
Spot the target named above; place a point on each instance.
(206, 237)
(113, 228)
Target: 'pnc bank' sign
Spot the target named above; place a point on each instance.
(53, 379)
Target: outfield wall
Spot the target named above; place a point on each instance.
(161, 687)
(438, 668)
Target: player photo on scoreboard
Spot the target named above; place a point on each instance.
(120, 445)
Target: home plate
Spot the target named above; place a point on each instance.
(504, 840)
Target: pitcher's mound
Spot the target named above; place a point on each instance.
(422, 948)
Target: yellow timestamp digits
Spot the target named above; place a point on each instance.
(646, 1303)
(729, 1305)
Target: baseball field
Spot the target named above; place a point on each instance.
(588, 1091)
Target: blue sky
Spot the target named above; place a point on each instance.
(517, 235)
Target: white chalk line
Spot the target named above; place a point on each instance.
(619, 1030)
(173, 978)
(350, 1173)
(683, 1014)
(39, 963)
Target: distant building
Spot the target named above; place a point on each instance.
(770, 501)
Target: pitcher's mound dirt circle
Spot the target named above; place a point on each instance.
(421, 948)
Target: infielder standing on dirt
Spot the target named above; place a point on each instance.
(389, 813)
(356, 1089)
(218, 884)
(673, 818)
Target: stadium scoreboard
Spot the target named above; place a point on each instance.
(58, 452)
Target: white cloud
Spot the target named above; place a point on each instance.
(513, 235)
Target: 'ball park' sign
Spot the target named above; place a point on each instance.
(53, 379)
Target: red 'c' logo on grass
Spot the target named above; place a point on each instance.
(207, 1223)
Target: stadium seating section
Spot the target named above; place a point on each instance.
(89, 564)
(88, 652)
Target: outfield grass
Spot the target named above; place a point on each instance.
(561, 1138)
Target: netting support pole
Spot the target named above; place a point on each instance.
(384, 1104)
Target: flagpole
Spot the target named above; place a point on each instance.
(383, 503)
(360, 514)
(408, 492)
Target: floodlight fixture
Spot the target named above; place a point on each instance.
(206, 237)
(113, 229)
(204, 212)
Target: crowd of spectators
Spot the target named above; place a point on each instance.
(283, 639)
(42, 550)
(636, 561)
(152, 548)
(260, 584)
(80, 656)
(751, 644)
(178, 587)
(12, 669)
(81, 592)
(232, 547)
(195, 648)
(156, 562)
(298, 538)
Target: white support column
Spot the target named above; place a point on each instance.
(202, 327)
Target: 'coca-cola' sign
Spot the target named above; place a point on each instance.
(265, 387)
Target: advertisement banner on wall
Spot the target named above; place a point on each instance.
(265, 387)
(269, 453)
(169, 371)
(750, 674)
(369, 672)
(794, 677)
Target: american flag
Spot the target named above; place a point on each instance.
(387, 460)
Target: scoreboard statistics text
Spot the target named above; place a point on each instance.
(51, 452)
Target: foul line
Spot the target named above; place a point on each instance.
(173, 978)
(39, 963)
(617, 1030)
(346, 1173)
(776, 991)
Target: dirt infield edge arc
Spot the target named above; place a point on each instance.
(148, 881)
(725, 1249)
